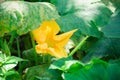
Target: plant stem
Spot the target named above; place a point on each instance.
(18, 47)
(11, 40)
(44, 58)
(49, 58)
(19, 55)
(33, 44)
(78, 46)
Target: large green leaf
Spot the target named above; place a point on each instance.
(65, 65)
(101, 48)
(114, 70)
(88, 72)
(85, 15)
(24, 16)
(113, 28)
(97, 70)
(40, 72)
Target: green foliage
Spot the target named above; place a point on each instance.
(24, 16)
(86, 16)
(8, 63)
(116, 3)
(59, 63)
(12, 75)
(114, 70)
(5, 47)
(6, 66)
(71, 66)
(97, 56)
(112, 30)
(95, 69)
(39, 72)
(107, 48)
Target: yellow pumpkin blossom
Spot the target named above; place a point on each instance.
(48, 40)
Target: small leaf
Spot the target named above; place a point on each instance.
(13, 59)
(9, 66)
(11, 62)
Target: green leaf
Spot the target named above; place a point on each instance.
(12, 59)
(1, 73)
(4, 47)
(95, 69)
(24, 16)
(28, 54)
(66, 65)
(58, 64)
(56, 74)
(112, 30)
(74, 76)
(0, 78)
(83, 15)
(114, 71)
(7, 63)
(116, 3)
(39, 73)
(2, 57)
(106, 48)
(11, 62)
(12, 75)
(90, 71)
(72, 65)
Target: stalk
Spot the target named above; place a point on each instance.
(19, 55)
(33, 44)
(78, 46)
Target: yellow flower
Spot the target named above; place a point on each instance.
(48, 40)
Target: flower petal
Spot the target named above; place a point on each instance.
(46, 30)
(40, 34)
(57, 52)
(53, 26)
(41, 48)
(62, 39)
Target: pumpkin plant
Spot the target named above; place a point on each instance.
(39, 31)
